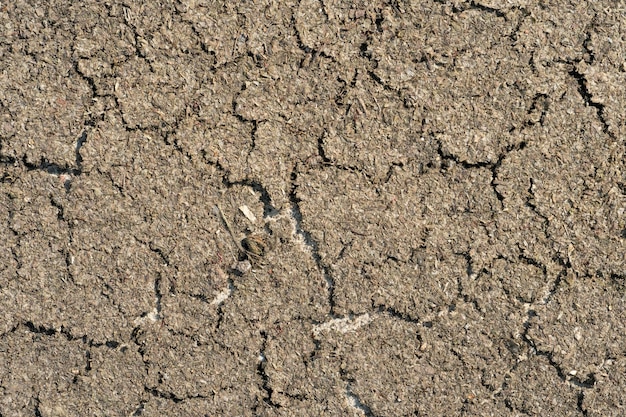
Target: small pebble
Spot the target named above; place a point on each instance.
(243, 267)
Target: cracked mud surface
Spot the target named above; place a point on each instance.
(444, 184)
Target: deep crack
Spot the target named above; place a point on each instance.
(264, 377)
(296, 214)
(356, 402)
(586, 95)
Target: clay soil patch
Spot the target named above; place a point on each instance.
(313, 208)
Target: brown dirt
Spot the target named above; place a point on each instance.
(441, 186)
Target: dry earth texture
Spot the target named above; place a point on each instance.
(433, 194)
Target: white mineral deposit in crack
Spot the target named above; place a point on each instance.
(221, 296)
(343, 325)
(153, 316)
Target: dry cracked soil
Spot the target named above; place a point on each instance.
(313, 208)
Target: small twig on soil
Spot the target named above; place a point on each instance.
(229, 229)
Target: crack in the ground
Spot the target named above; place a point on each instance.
(114, 183)
(313, 356)
(357, 403)
(586, 95)
(321, 150)
(49, 167)
(383, 84)
(392, 312)
(313, 245)
(220, 306)
(579, 403)
(471, 276)
(483, 8)
(544, 270)
(297, 215)
(253, 122)
(7, 160)
(589, 380)
(588, 48)
(265, 386)
(530, 204)
(264, 196)
(154, 391)
(531, 261)
(158, 280)
(137, 38)
(353, 399)
(308, 50)
(492, 166)
(37, 408)
(327, 161)
(141, 349)
(78, 157)
(557, 281)
(47, 331)
(540, 103)
(170, 396)
(140, 408)
(158, 297)
(391, 170)
(164, 256)
(88, 361)
(514, 36)
(619, 280)
(91, 121)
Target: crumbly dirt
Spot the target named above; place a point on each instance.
(440, 187)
